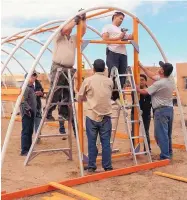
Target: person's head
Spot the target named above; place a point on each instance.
(165, 69)
(117, 18)
(32, 78)
(99, 65)
(143, 80)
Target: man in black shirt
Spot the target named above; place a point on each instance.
(145, 106)
(39, 91)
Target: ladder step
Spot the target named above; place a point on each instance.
(49, 150)
(123, 75)
(59, 87)
(60, 104)
(141, 153)
(127, 91)
(114, 117)
(133, 121)
(53, 135)
(134, 137)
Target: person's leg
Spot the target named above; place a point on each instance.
(170, 131)
(161, 132)
(112, 60)
(62, 127)
(37, 121)
(146, 122)
(105, 129)
(31, 130)
(122, 68)
(25, 134)
(92, 132)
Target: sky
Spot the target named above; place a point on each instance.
(167, 20)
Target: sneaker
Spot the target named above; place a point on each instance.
(108, 169)
(50, 118)
(91, 170)
(24, 153)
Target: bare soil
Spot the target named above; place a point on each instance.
(52, 166)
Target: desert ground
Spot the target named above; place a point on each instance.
(52, 166)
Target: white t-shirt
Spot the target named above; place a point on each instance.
(114, 31)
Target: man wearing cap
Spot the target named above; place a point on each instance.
(161, 92)
(116, 54)
(97, 90)
(28, 112)
(64, 57)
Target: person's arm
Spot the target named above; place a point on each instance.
(141, 91)
(83, 27)
(40, 92)
(82, 92)
(152, 75)
(105, 36)
(68, 27)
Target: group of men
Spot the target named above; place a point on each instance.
(97, 90)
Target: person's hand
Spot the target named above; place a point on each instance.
(140, 64)
(122, 35)
(28, 113)
(39, 93)
(77, 19)
(137, 88)
(83, 16)
(130, 36)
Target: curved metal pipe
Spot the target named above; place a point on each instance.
(25, 50)
(6, 52)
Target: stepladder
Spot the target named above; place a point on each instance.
(67, 102)
(133, 126)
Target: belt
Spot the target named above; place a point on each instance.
(160, 107)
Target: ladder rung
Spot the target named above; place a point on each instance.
(140, 153)
(49, 150)
(120, 75)
(60, 104)
(133, 121)
(59, 87)
(134, 137)
(127, 91)
(130, 105)
(53, 135)
(114, 117)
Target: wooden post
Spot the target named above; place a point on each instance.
(137, 78)
(79, 82)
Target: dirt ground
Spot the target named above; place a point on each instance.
(55, 167)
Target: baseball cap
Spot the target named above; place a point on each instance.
(167, 67)
(35, 73)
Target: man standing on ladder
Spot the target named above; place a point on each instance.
(161, 92)
(64, 57)
(116, 53)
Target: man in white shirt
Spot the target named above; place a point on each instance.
(116, 53)
(161, 92)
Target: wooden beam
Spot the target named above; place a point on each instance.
(72, 191)
(84, 179)
(171, 176)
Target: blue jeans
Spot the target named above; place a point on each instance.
(26, 133)
(104, 128)
(163, 120)
(37, 121)
(62, 129)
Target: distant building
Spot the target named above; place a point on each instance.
(181, 69)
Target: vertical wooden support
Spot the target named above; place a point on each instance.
(136, 77)
(79, 82)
